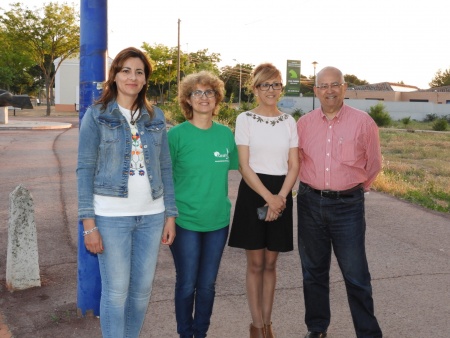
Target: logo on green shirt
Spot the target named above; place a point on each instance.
(221, 157)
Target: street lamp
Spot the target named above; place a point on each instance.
(169, 62)
(314, 93)
(240, 80)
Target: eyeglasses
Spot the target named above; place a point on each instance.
(326, 86)
(266, 86)
(199, 94)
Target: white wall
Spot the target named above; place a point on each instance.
(67, 80)
(397, 110)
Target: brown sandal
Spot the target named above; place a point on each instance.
(268, 331)
(256, 332)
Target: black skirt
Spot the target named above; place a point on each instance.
(250, 233)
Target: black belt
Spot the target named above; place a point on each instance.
(335, 194)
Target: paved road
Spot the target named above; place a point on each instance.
(408, 251)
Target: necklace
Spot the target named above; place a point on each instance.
(132, 113)
(272, 120)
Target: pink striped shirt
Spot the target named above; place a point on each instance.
(341, 153)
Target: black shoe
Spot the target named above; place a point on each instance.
(316, 334)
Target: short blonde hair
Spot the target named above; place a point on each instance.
(264, 72)
(188, 85)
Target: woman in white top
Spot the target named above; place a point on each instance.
(125, 192)
(267, 144)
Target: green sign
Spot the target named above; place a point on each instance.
(292, 78)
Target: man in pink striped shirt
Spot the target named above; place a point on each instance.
(340, 157)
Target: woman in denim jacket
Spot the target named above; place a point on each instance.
(125, 192)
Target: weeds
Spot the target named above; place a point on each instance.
(415, 168)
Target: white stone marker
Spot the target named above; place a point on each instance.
(22, 260)
(3, 115)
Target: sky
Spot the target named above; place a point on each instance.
(378, 41)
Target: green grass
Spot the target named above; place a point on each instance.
(416, 167)
(412, 125)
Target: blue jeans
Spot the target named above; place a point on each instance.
(127, 269)
(197, 258)
(326, 224)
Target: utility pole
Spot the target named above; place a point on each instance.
(314, 93)
(240, 81)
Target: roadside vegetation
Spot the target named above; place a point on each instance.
(415, 157)
(416, 168)
(415, 160)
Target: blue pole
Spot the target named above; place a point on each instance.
(93, 58)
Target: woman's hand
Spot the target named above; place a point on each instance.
(168, 234)
(277, 204)
(92, 241)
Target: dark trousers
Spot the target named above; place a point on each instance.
(326, 225)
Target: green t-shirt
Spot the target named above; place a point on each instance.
(201, 159)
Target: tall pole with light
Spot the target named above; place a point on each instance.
(240, 81)
(314, 79)
(169, 62)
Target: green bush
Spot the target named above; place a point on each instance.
(380, 115)
(430, 117)
(227, 115)
(246, 106)
(297, 113)
(406, 120)
(440, 124)
(173, 113)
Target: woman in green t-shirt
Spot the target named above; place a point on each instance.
(202, 151)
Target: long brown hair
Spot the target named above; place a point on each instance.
(110, 87)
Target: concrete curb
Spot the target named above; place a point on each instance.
(34, 125)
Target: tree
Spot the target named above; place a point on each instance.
(47, 33)
(306, 85)
(353, 80)
(163, 71)
(202, 60)
(230, 76)
(14, 60)
(38, 80)
(441, 78)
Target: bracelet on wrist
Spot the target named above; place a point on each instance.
(87, 232)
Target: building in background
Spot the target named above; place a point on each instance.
(400, 100)
(394, 92)
(67, 85)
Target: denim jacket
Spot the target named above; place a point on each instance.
(104, 154)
